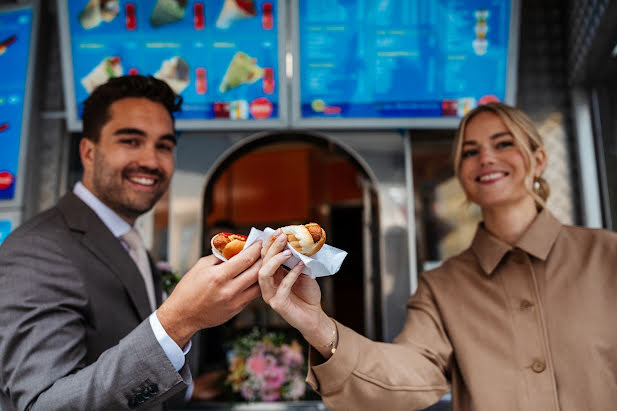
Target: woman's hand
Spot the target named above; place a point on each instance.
(295, 296)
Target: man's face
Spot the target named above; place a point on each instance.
(130, 167)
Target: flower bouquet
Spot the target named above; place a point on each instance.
(262, 367)
(169, 277)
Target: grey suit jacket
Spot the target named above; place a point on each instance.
(73, 317)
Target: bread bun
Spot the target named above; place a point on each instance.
(227, 244)
(306, 239)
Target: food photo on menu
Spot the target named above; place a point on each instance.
(4, 44)
(97, 12)
(199, 48)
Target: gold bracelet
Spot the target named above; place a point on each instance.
(334, 342)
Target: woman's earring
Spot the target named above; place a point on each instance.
(536, 183)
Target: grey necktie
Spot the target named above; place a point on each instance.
(138, 253)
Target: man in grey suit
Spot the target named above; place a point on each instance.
(78, 331)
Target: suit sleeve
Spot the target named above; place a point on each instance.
(43, 308)
(411, 373)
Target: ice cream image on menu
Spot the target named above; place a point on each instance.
(175, 72)
(97, 11)
(234, 10)
(167, 11)
(480, 44)
(243, 69)
(108, 68)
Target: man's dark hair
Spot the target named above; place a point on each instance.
(96, 107)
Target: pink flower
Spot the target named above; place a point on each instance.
(270, 360)
(163, 266)
(247, 391)
(269, 395)
(257, 364)
(275, 377)
(292, 357)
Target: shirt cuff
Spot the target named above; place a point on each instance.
(189, 391)
(172, 350)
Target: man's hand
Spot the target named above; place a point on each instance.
(210, 293)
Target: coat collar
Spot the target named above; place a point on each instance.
(538, 240)
(107, 248)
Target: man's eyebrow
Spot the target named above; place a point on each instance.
(135, 131)
(170, 137)
(493, 137)
(129, 130)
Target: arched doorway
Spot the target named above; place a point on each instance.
(276, 179)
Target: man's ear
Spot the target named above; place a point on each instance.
(86, 152)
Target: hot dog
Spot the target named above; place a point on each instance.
(228, 244)
(306, 239)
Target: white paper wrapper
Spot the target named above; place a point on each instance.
(326, 261)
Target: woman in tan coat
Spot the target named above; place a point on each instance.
(524, 319)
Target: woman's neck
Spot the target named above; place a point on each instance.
(509, 222)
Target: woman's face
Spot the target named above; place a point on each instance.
(492, 169)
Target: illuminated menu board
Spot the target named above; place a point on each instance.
(5, 229)
(15, 27)
(221, 56)
(397, 59)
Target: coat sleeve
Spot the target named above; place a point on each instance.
(43, 307)
(411, 373)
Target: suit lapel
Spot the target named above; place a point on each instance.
(107, 248)
(158, 280)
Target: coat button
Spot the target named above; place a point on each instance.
(538, 366)
(526, 305)
(153, 388)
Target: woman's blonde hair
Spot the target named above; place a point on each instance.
(524, 133)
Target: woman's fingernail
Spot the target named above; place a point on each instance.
(287, 253)
(276, 232)
(300, 264)
(281, 238)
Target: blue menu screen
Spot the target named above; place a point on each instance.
(401, 58)
(15, 27)
(5, 229)
(221, 56)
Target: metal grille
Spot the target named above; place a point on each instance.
(584, 19)
(543, 95)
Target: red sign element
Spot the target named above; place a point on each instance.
(199, 19)
(201, 82)
(449, 107)
(261, 108)
(221, 109)
(133, 71)
(267, 21)
(331, 110)
(268, 82)
(131, 18)
(6, 180)
(488, 98)
(4, 127)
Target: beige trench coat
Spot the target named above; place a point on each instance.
(531, 327)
